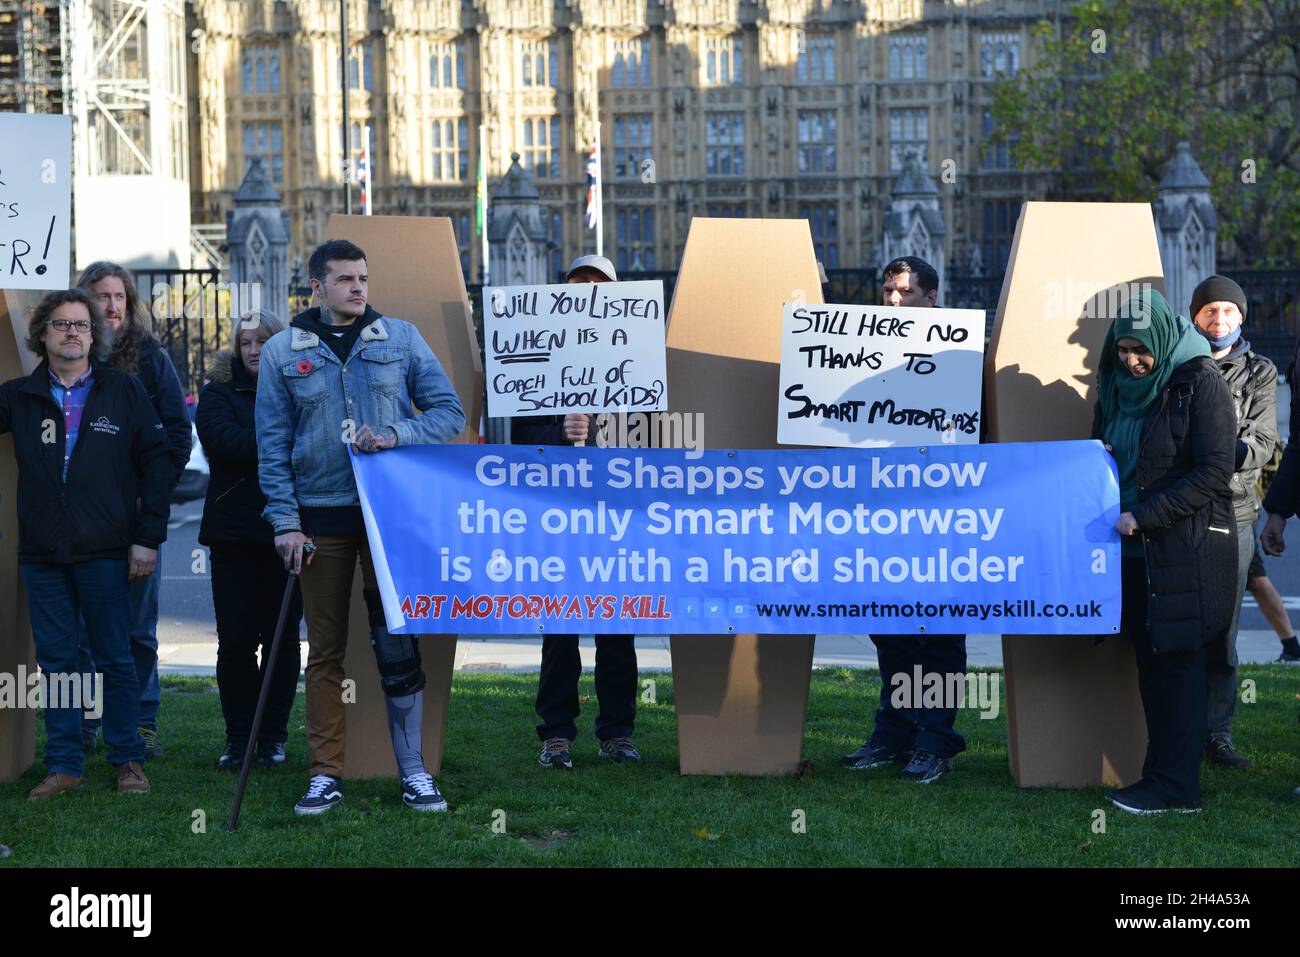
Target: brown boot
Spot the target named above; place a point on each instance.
(131, 779)
(53, 785)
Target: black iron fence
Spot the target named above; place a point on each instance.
(1272, 310)
(191, 310)
(192, 316)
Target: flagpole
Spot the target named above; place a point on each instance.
(481, 198)
(369, 200)
(600, 198)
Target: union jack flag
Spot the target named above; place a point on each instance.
(593, 188)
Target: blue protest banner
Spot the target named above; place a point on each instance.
(510, 540)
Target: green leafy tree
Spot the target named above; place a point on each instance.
(1116, 85)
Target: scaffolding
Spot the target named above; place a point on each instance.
(31, 57)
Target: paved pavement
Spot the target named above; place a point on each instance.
(525, 654)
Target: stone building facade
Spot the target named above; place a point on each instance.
(776, 108)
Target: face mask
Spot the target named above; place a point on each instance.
(1226, 342)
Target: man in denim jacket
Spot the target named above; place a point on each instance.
(345, 374)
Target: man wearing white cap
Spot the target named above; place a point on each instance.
(557, 685)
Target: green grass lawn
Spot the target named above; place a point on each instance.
(605, 815)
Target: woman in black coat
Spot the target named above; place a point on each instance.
(1167, 416)
(248, 577)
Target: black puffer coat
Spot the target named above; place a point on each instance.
(1185, 511)
(232, 512)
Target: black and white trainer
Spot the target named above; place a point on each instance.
(556, 753)
(323, 793)
(925, 767)
(875, 756)
(619, 750)
(1139, 799)
(420, 793)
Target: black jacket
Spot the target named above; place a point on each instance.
(1184, 507)
(160, 381)
(1283, 496)
(121, 456)
(1252, 379)
(232, 512)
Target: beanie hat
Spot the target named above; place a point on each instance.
(1218, 289)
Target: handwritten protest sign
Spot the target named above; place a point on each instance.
(35, 201)
(871, 376)
(575, 347)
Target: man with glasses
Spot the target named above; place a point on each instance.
(89, 448)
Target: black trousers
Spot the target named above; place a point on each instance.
(1172, 685)
(557, 687)
(247, 587)
(930, 729)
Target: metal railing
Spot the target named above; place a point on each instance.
(191, 313)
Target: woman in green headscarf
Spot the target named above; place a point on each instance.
(1166, 414)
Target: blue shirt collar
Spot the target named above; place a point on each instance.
(84, 380)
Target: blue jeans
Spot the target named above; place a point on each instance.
(144, 646)
(96, 592)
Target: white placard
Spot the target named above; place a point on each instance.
(35, 201)
(575, 347)
(862, 376)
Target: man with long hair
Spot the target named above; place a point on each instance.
(137, 352)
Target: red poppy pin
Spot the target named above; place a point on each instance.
(304, 366)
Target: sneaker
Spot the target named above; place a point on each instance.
(1221, 752)
(131, 779)
(53, 785)
(420, 793)
(1137, 799)
(89, 737)
(926, 767)
(323, 792)
(151, 747)
(1288, 659)
(270, 754)
(555, 754)
(875, 756)
(619, 750)
(232, 759)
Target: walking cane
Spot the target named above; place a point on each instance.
(307, 550)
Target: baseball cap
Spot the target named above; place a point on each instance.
(598, 263)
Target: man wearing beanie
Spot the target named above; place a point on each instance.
(1218, 309)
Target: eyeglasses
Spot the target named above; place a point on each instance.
(62, 325)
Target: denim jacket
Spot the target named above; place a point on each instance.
(306, 397)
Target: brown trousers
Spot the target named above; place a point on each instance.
(327, 600)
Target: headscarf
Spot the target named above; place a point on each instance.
(1126, 398)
